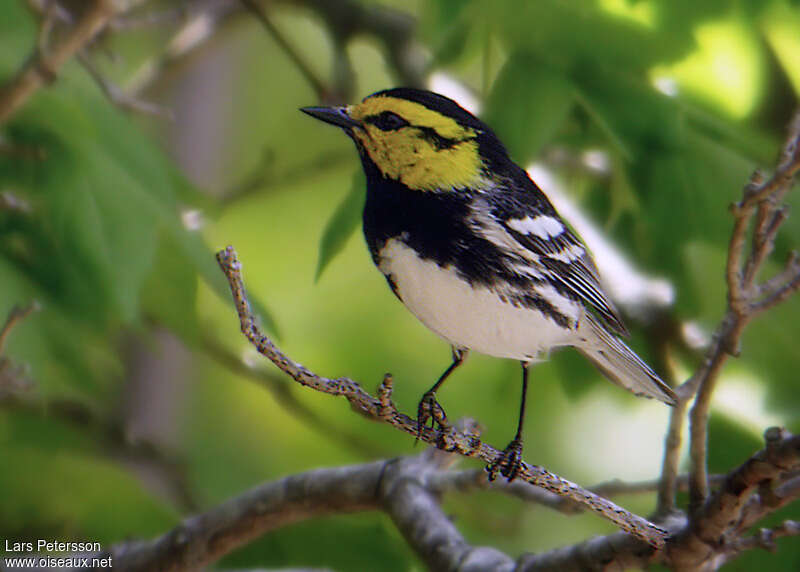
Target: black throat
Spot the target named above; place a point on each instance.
(435, 225)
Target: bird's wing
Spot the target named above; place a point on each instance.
(527, 226)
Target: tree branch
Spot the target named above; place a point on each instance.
(118, 97)
(407, 489)
(15, 316)
(672, 454)
(469, 480)
(8, 200)
(43, 65)
(397, 486)
(393, 28)
(765, 538)
(199, 24)
(761, 200)
(320, 88)
(13, 378)
(203, 539)
(721, 514)
(703, 543)
(382, 408)
(416, 513)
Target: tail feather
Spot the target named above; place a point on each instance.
(619, 364)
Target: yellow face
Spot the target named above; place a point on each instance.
(423, 149)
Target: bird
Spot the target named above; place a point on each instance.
(475, 250)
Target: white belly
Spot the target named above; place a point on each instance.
(474, 318)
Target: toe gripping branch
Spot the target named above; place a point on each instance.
(429, 409)
(462, 443)
(509, 464)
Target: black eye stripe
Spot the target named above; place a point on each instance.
(438, 140)
(388, 121)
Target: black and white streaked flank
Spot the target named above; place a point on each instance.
(474, 248)
(515, 283)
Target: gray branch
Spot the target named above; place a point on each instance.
(381, 408)
(408, 490)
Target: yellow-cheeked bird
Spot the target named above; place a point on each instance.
(470, 244)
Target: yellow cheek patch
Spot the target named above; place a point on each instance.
(419, 164)
(408, 156)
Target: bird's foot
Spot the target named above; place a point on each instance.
(429, 408)
(509, 463)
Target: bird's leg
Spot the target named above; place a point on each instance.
(428, 407)
(510, 460)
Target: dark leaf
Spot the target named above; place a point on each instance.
(342, 223)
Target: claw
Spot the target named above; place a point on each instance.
(429, 408)
(509, 463)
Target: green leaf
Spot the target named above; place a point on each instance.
(169, 294)
(729, 443)
(581, 31)
(529, 102)
(17, 36)
(342, 223)
(686, 193)
(97, 488)
(629, 112)
(575, 373)
(452, 41)
(196, 252)
(105, 225)
(352, 542)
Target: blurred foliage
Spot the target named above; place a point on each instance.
(684, 98)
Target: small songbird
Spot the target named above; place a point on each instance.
(470, 244)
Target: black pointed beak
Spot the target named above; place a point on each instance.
(334, 115)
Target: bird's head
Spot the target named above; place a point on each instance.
(424, 140)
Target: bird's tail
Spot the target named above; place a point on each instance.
(618, 362)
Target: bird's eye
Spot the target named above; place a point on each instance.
(388, 121)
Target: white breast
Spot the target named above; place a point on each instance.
(474, 318)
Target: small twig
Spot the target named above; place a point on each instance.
(346, 19)
(121, 99)
(771, 286)
(262, 177)
(201, 22)
(778, 294)
(699, 544)
(407, 488)
(468, 480)
(761, 200)
(324, 93)
(14, 378)
(41, 68)
(46, 25)
(15, 316)
(785, 491)
(382, 408)
(766, 537)
(765, 229)
(724, 508)
(472, 479)
(11, 202)
(152, 18)
(668, 483)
